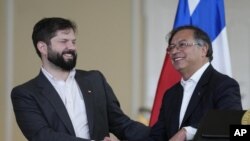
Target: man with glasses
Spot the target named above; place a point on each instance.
(201, 88)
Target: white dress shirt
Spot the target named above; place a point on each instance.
(72, 98)
(189, 86)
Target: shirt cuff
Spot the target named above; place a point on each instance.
(190, 132)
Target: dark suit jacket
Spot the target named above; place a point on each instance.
(213, 91)
(42, 116)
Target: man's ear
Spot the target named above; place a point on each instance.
(205, 50)
(42, 47)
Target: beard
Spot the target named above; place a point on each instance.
(58, 60)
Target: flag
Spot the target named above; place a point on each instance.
(208, 15)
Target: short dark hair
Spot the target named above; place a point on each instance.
(46, 28)
(199, 35)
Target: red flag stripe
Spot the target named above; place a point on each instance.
(169, 76)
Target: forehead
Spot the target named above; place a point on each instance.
(65, 32)
(184, 34)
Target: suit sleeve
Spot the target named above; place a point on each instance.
(158, 130)
(119, 123)
(31, 120)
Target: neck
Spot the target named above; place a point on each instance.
(186, 74)
(57, 72)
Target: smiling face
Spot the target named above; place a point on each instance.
(61, 52)
(190, 58)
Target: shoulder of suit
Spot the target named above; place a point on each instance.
(218, 77)
(89, 73)
(27, 85)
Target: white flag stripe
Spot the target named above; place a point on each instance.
(221, 60)
(192, 5)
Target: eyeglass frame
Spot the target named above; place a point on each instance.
(181, 45)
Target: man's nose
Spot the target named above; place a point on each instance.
(71, 45)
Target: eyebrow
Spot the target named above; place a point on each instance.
(179, 41)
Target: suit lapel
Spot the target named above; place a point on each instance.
(198, 93)
(53, 97)
(88, 96)
(177, 102)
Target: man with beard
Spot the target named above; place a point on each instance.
(66, 104)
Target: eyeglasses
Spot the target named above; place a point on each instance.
(180, 46)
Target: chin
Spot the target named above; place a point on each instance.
(179, 67)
